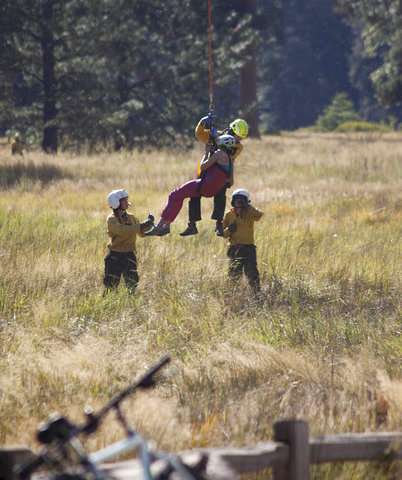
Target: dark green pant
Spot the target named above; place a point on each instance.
(243, 258)
(118, 264)
(194, 207)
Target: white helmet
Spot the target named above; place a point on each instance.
(241, 192)
(114, 197)
(226, 141)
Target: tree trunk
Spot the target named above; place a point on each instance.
(248, 80)
(50, 131)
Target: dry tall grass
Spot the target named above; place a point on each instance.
(324, 344)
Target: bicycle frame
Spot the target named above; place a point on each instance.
(136, 442)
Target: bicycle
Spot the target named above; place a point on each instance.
(65, 458)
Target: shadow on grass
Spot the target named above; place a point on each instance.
(21, 172)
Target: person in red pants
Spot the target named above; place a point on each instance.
(204, 134)
(216, 170)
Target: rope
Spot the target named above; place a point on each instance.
(210, 59)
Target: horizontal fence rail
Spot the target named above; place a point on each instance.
(289, 455)
(355, 447)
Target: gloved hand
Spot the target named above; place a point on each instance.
(149, 223)
(207, 121)
(213, 132)
(232, 227)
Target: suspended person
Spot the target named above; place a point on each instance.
(203, 132)
(238, 227)
(216, 168)
(122, 228)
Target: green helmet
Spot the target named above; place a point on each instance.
(239, 127)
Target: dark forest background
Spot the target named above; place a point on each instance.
(134, 72)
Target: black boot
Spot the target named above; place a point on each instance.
(219, 228)
(190, 230)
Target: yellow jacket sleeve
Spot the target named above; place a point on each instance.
(114, 227)
(255, 213)
(201, 133)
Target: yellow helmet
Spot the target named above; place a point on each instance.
(239, 127)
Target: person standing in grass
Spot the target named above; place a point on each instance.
(17, 145)
(122, 228)
(238, 227)
(204, 133)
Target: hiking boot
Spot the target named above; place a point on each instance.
(219, 229)
(158, 231)
(190, 230)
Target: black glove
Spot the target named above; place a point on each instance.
(149, 223)
(232, 227)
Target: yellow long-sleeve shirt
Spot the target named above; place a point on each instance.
(17, 148)
(244, 234)
(123, 236)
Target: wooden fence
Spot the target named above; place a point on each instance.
(289, 455)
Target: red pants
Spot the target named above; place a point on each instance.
(212, 182)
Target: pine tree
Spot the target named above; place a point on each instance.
(340, 110)
(310, 61)
(380, 27)
(89, 72)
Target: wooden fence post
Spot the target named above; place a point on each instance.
(295, 433)
(10, 457)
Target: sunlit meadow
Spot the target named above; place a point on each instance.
(323, 343)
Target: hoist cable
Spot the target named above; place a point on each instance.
(210, 58)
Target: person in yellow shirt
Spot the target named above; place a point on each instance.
(238, 227)
(204, 132)
(122, 228)
(17, 145)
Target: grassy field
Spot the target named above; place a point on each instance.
(324, 344)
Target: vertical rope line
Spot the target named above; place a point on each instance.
(210, 58)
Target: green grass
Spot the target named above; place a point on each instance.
(322, 343)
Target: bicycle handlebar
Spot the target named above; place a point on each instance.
(145, 381)
(91, 425)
